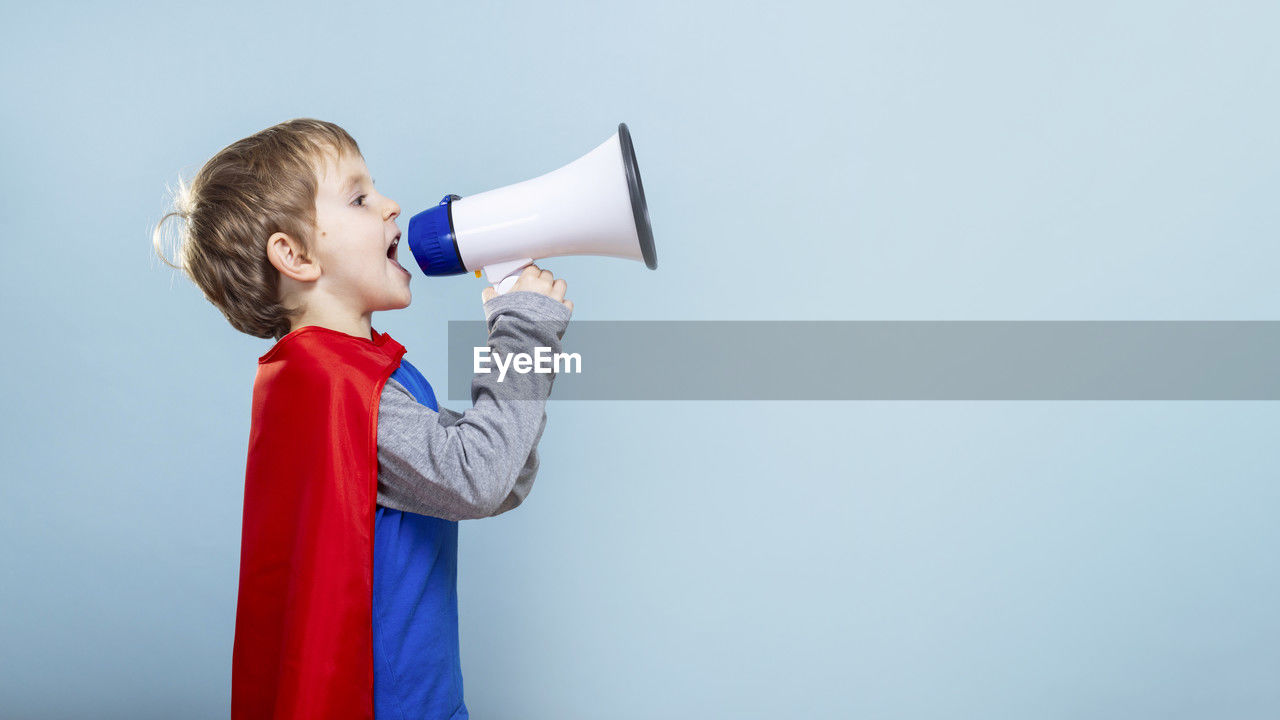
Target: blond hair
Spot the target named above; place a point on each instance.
(263, 184)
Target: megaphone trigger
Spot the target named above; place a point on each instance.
(502, 287)
(504, 274)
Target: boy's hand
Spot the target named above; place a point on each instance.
(535, 279)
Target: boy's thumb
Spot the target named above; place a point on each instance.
(488, 294)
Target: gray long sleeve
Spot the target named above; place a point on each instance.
(481, 462)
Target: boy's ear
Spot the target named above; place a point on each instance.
(288, 256)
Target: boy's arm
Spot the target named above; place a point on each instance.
(524, 481)
(402, 492)
(481, 462)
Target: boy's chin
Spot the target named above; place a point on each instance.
(397, 304)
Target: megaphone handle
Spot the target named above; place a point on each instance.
(506, 284)
(504, 274)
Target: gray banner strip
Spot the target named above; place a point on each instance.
(903, 360)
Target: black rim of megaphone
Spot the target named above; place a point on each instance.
(639, 208)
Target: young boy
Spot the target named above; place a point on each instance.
(355, 480)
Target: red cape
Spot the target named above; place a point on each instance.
(303, 638)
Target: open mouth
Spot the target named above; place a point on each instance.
(391, 254)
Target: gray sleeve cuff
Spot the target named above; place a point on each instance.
(528, 305)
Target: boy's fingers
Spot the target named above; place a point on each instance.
(558, 288)
(488, 294)
(568, 304)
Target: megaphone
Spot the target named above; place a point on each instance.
(592, 206)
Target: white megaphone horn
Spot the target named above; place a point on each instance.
(592, 206)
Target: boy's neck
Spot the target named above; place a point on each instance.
(360, 326)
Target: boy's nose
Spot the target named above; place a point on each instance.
(393, 209)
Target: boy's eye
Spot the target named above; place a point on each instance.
(359, 200)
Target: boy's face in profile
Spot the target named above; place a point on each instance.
(355, 230)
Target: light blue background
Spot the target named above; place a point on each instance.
(910, 160)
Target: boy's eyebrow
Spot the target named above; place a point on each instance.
(355, 180)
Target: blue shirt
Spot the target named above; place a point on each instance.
(417, 665)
